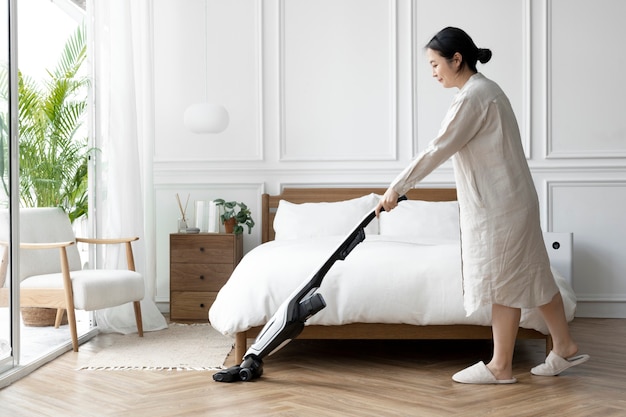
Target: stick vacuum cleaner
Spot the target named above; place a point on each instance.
(288, 321)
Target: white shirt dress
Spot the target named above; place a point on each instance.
(504, 257)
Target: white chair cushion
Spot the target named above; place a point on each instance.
(95, 289)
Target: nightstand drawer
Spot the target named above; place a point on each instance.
(191, 305)
(199, 277)
(202, 249)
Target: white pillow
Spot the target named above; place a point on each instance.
(423, 219)
(307, 220)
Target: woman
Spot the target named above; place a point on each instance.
(505, 263)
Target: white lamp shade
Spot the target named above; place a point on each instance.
(206, 118)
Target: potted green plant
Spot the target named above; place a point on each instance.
(235, 214)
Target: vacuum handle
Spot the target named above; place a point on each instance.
(372, 214)
(401, 198)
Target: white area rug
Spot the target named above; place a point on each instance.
(196, 347)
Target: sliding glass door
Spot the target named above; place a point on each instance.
(27, 337)
(9, 316)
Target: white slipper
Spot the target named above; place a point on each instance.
(555, 364)
(479, 374)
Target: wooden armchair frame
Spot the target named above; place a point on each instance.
(63, 299)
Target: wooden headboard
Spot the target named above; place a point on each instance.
(318, 195)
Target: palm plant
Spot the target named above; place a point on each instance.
(53, 153)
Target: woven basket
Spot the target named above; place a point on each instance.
(41, 317)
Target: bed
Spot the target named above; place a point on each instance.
(402, 282)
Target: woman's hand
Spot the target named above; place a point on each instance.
(389, 201)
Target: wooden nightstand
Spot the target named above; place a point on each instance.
(200, 264)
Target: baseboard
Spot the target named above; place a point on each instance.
(163, 306)
(597, 309)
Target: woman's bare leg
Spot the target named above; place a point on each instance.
(554, 315)
(505, 323)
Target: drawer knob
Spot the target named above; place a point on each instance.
(202, 305)
(201, 249)
(201, 276)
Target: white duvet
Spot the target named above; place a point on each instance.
(384, 280)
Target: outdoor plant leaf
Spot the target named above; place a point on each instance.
(53, 151)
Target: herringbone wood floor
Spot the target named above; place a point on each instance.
(341, 378)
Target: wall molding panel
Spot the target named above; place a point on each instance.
(215, 54)
(328, 120)
(511, 66)
(585, 106)
(553, 186)
(599, 261)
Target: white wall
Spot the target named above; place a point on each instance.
(337, 92)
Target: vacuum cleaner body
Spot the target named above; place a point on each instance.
(288, 321)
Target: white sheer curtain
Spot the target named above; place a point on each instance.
(124, 130)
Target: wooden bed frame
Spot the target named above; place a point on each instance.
(368, 330)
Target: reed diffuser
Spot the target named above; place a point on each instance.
(182, 222)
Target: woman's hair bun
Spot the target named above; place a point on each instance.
(484, 55)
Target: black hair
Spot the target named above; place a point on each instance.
(451, 40)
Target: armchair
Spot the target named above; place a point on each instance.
(51, 274)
